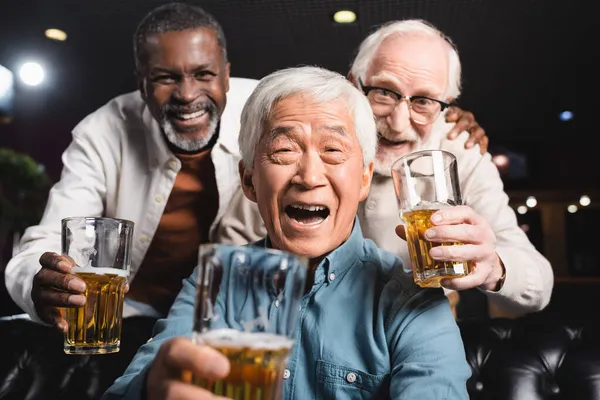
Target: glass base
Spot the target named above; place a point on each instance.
(81, 350)
(431, 278)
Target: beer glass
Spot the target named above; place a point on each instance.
(247, 305)
(427, 181)
(100, 248)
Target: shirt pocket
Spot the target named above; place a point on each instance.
(339, 382)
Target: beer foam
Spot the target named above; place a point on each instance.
(100, 271)
(236, 339)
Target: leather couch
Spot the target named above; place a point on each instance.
(522, 359)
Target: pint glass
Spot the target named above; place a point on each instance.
(427, 181)
(247, 305)
(100, 248)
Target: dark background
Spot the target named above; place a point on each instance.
(519, 58)
(519, 62)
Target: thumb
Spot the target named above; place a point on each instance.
(401, 232)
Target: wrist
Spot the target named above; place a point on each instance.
(496, 277)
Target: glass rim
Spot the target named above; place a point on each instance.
(419, 153)
(250, 246)
(120, 220)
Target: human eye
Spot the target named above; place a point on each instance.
(204, 75)
(381, 95)
(164, 79)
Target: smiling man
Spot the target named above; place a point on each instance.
(410, 72)
(365, 330)
(164, 157)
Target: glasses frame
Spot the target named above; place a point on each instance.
(399, 97)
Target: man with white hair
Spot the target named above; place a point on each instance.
(307, 140)
(411, 72)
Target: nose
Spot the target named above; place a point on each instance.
(399, 118)
(311, 171)
(188, 90)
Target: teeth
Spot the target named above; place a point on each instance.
(192, 115)
(309, 208)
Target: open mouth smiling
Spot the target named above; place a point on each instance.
(307, 214)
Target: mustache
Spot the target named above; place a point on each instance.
(172, 108)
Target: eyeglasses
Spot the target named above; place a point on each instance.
(423, 110)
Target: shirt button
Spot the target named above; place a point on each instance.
(371, 205)
(331, 276)
(173, 164)
(144, 239)
(276, 303)
(351, 377)
(286, 374)
(158, 198)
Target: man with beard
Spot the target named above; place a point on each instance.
(164, 157)
(406, 63)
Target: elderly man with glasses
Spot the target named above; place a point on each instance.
(411, 73)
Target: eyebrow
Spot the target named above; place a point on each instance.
(166, 70)
(338, 129)
(385, 78)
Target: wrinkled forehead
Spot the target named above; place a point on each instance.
(309, 110)
(412, 56)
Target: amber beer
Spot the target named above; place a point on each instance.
(428, 272)
(95, 328)
(257, 363)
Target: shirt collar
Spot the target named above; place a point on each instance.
(341, 259)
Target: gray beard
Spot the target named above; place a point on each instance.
(189, 145)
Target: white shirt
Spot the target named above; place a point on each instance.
(118, 165)
(529, 276)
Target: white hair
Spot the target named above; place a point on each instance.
(321, 85)
(416, 27)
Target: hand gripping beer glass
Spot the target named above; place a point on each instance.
(247, 305)
(427, 181)
(100, 248)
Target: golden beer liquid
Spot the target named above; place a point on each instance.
(256, 369)
(95, 328)
(428, 272)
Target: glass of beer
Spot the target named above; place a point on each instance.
(100, 249)
(427, 181)
(247, 305)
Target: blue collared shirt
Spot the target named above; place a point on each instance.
(365, 331)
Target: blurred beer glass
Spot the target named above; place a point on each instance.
(427, 181)
(100, 248)
(247, 305)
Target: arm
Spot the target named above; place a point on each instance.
(529, 276)
(241, 223)
(179, 322)
(426, 350)
(80, 191)
(465, 121)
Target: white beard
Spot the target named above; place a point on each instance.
(189, 145)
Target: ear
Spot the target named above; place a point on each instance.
(350, 77)
(139, 79)
(246, 181)
(226, 76)
(365, 184)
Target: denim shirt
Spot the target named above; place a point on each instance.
(365, 331)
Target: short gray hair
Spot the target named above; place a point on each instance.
(321, 85)
(370, 45)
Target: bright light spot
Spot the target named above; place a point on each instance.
(522, 210)
(585, 200)
(572, 208)
(6, 81)
(344, 17)
(566, 116)
(500, 160)
(56, 34)
(31, 73)
(531, 202)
